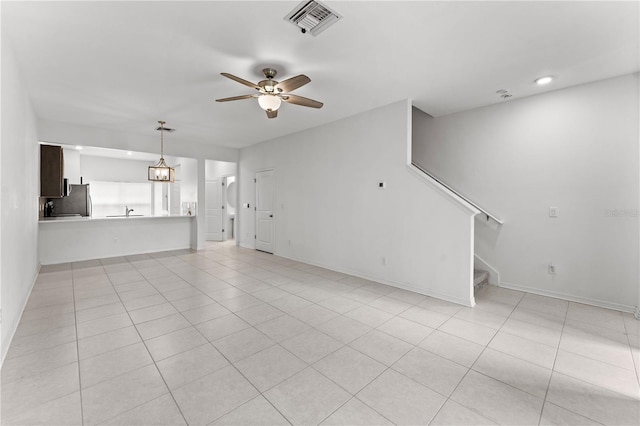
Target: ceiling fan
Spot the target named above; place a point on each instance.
(271, 93)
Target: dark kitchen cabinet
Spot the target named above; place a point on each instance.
(51, 171)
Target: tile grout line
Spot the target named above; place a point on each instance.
(388, 367)
(636, 364)
(364, 304)
(339, 314)
(150, 356)
(75, 315)
(553, 367)
(213, 372)
(260, 393)
(241, 261)
(564, 321)
(275, 344)
(308, 365)
(75, 319)
(470, 368)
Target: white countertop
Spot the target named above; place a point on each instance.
(66, 219)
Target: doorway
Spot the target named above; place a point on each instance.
(265, 224)
(220, 200)
(214, 210)
(229, 214)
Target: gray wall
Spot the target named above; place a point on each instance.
(575, 149)
(330, 212)
(19, 154)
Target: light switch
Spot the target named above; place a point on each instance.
(553, 212)
(382, 185)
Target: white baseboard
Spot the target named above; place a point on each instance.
(402, 286)
(571, 298)
(82, 258)
(15, 326)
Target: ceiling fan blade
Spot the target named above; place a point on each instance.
(237, 98)
(272, 113)
(293, 83)
(241, 80)
(299, 100)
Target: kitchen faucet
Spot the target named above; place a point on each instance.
(127, 211)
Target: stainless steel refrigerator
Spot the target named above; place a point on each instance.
(78, 202)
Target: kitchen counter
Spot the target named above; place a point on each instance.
(89, 218)
(73, 239)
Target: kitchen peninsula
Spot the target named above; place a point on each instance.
(76, 239)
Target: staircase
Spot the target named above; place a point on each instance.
(480, 278)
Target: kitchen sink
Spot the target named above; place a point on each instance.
(122, 215)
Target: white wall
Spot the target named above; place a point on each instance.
(103, 238)
(69, 134)
(72, 165)
(20, 190)
(188, 178)
(330, 211)
(217, 169)
(575, 149)
(107, 169)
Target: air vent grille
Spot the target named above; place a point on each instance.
(313, 17)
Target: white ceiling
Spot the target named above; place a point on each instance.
(93, 151)
(125, 65)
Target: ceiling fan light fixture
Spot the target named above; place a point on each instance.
(269, 102)
(271, 93)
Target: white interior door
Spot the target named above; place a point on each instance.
(213, 210)
(265, 224)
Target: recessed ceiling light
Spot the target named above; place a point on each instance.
(129, 153)
(544, 80)
(78, 147)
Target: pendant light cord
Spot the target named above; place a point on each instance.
(162, 139)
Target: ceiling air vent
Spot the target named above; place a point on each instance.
(312, 16)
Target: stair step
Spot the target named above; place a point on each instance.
(480, 278)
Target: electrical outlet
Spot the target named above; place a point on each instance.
(553, 212)
(552, 269)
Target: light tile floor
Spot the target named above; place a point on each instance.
(230, 336)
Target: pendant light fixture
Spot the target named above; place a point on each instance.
(161, 172)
